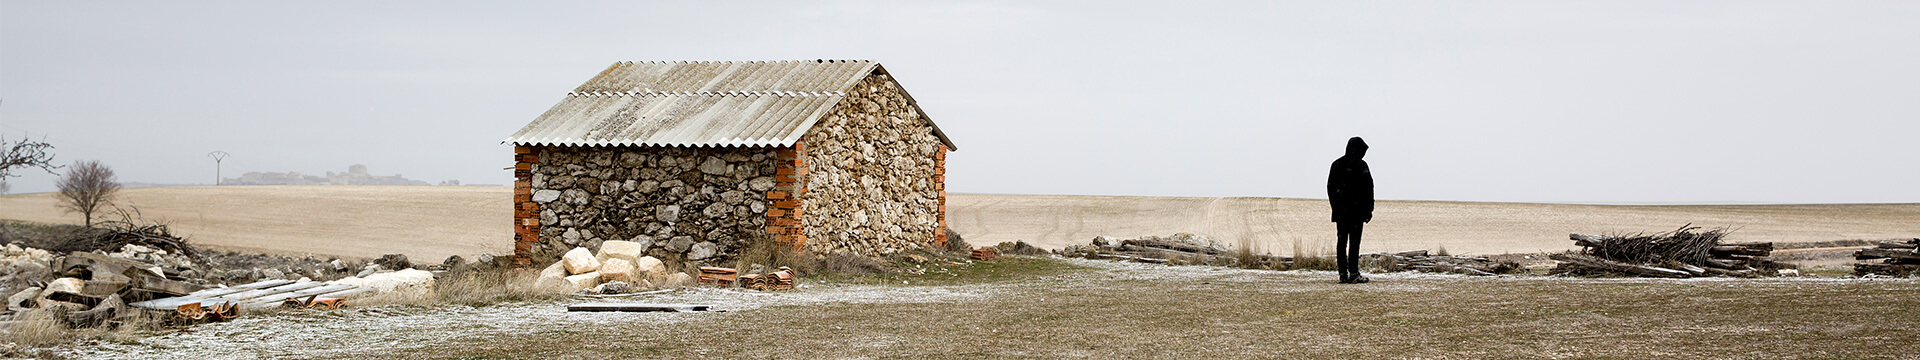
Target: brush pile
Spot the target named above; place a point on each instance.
(1190, 249)
(1421, 260)
(1179, 249)
(1902, 259)
(1683, 253)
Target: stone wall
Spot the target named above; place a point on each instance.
(689, 206)
(871, 176)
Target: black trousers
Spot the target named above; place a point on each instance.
(1347, 250)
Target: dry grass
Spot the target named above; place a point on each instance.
(38, 328)
(1039, 309)
(487, 287)
(1311, 257)
(362, 221)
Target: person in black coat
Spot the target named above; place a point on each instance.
(1350, 191)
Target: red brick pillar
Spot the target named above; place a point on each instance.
(526, 213)
(783, 214)
(940, 185)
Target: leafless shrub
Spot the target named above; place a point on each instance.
(25, 153)
(957, 245)
(1018, 247)
(87, 186)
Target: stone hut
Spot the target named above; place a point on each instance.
(699, 160)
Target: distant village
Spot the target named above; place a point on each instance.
(355, 175)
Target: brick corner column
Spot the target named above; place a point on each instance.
(940, 185)
(783, 218)
(526, 213)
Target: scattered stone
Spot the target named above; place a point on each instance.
(618, 270)
(237, 276)
(584, 281)
(612, 288)
(580, 261)
(651, 268)
(554, 275)
(620, 249)
(272, 274)
(394, 262)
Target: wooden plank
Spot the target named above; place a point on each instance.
(1617, 266)
(1876, 253)
(636, 307)
(1586, 240)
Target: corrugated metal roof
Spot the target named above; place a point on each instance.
(753, 103)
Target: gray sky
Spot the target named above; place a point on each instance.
(1532, 101)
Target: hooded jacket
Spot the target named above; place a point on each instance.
(1350, 185)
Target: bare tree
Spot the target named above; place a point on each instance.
(24, 154)
(87, 186)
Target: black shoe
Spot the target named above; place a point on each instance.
(1346, 278)
(1357, 279)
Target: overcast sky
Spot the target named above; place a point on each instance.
(1528, 101)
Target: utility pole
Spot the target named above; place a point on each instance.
(218, 156)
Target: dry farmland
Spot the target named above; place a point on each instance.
(431, 222)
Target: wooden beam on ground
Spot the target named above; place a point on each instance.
(1616, 266)
(636, 307)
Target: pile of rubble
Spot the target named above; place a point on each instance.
(93, 289)
(109, 289)
(618, 268)
(1684, 253)
(1902, 259)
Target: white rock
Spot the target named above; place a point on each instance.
(546, 196)
(403, 280)
(618, 270)
(553, 276)
(622, 249)
(580, 261)
(651, 268)
(584, 281)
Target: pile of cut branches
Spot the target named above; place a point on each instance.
(130, 229)
(1686, 252)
